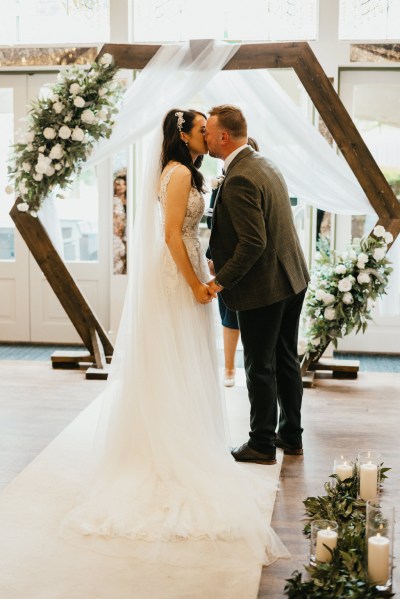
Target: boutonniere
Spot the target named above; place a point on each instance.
(217, 182)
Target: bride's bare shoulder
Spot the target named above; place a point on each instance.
(180, 171)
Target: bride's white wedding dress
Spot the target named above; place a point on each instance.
(166, 486)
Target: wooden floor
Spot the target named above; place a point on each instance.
(36, 403)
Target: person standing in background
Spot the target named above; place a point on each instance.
(119, 225)
(229, 321)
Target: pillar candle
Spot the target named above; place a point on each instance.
(325, 537)
(368, 481)
(378, 559)
(344, 471)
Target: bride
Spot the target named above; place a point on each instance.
(166, 487)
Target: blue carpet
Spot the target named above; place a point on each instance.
(23, 351)
(368, 362)
(372, 362)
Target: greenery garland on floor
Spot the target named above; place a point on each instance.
(346, 574)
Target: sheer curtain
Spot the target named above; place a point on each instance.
(181, 72)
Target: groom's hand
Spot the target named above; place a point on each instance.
(214, 286)
(204, 294)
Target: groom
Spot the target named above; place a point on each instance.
(261, 273)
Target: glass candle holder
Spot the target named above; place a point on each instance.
(343, 466)
(323, 540)
(380, 518)
(368, 473)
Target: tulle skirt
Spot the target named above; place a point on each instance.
(165, 486)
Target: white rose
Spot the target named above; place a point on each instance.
(87, 117)
(379, 254)
(42, 164)
(360, 265)
(23, 207)
(103, 114)
(33, 213)
(41, 149)
(345, 284)
(370, 303)
(103, 91)
(58, 166)
(78, 134)
(388, 237)
(106, 59)
(347, 298)
(49, 171)
(315, 342)
(79, 102)
(56, 152)
(363, 278)
(22, 188)
(74, 88)
(9, 189)
(320, 294)
(26, 167)
(29, 147)
(54, 97)
(362, 258)
(49, 133)
(351, 254)
(64, 132)
(379, 231)
(328, 299)
(37, 176)
(340, 269)
(58, 107)
(330, 313)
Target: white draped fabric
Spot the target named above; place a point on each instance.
(175, 76)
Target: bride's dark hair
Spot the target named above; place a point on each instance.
(174, 148)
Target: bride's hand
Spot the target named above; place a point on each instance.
(204, 294)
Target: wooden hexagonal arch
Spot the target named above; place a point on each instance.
(295, 55)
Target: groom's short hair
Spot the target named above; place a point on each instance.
(230, 118)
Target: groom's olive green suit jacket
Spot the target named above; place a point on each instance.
(254, 245)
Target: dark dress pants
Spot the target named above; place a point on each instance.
(269, 337)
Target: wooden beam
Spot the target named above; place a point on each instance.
(60, 279)
(249, 56)
(300, 57)
(346, 135)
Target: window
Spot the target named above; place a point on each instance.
(176, 20)
(7, 228)
(369, 19)
(54, 21)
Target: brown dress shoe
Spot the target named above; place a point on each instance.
(244, 453)
(287, 449)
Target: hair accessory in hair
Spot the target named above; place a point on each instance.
(180, 120)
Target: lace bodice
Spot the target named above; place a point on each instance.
(190, 235)
(194, 210)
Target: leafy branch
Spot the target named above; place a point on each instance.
(346, 575)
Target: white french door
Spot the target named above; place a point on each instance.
(14, 255)
(29, 310)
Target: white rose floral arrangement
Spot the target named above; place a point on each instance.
(343, 290)
(62, 129)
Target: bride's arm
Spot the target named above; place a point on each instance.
(175, 209)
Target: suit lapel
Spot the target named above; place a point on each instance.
(243, 154)
(218, 196)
